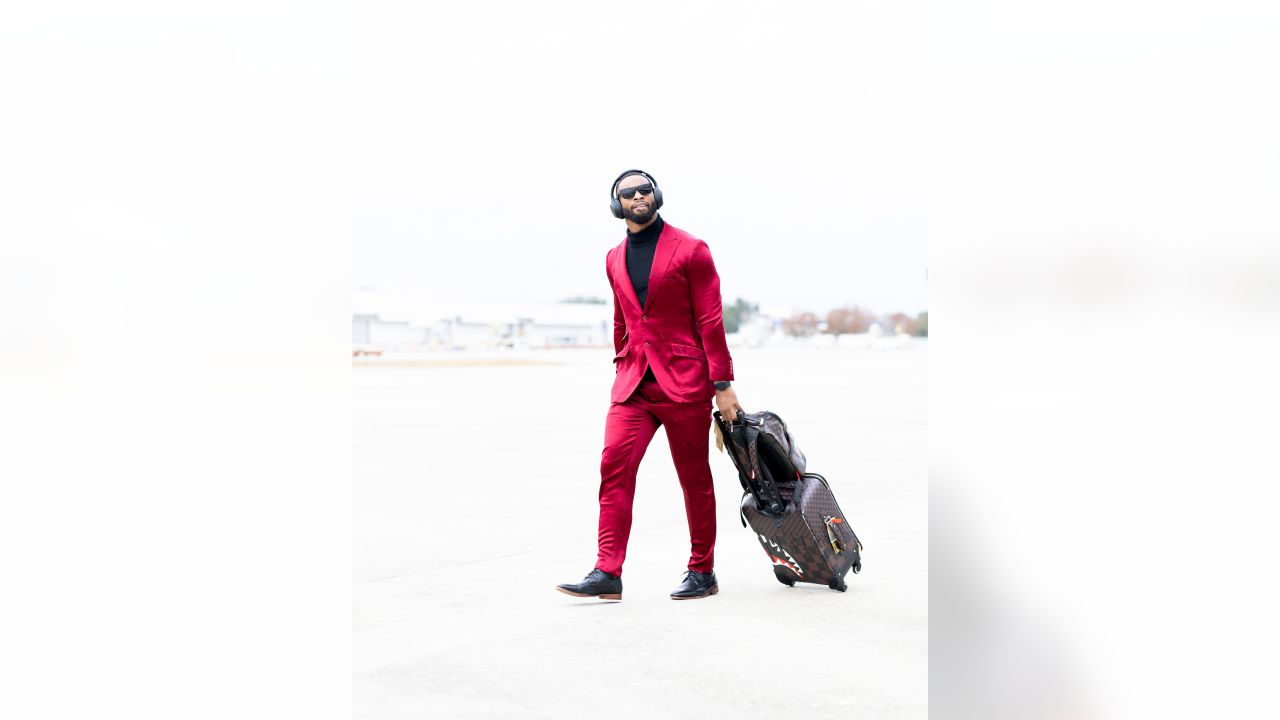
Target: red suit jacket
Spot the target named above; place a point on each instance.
(680, 331)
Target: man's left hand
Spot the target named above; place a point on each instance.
(727, 404)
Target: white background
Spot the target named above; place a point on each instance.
(790, 138)
(176, 210)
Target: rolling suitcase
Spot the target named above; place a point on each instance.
(793, 513)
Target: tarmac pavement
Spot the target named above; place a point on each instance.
(475, 491)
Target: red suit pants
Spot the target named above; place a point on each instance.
(628, 429)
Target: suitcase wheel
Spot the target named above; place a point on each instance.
(782, 577)
(838, 584)
(857, 567)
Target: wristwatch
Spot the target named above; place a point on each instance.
(721, 384)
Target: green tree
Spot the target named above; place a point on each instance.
(738, 313)
(922, 325)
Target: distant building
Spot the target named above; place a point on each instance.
(399, 321)
(408, 321)
(372, 331)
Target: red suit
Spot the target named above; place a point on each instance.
(680, 334)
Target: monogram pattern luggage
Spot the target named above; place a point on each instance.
(811, 541)
(792, 513)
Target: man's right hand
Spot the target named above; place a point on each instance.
(727, 404)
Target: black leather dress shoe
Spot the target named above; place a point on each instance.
(696, 585)
(597, 583)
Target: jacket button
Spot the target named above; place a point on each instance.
(646, 344)
(644, 317)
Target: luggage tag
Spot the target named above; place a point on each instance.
(716, 427)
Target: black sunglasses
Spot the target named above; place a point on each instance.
(629, 193)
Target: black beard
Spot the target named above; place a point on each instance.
(640, 218)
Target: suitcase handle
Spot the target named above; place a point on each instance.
(742, 418)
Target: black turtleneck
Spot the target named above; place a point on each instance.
(640, 249)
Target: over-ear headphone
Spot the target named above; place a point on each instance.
(615, 205)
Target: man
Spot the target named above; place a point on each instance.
(671, 358)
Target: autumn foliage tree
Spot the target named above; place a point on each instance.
(842, 321)
(902, 323)
(800, 325)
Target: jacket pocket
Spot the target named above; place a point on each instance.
(688, 351)
(622, 354)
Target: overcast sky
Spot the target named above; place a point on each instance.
(788, 136)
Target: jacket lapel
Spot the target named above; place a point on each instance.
(661, 259)
(623, 278)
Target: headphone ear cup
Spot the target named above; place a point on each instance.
(615, 207)
(657, 198)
